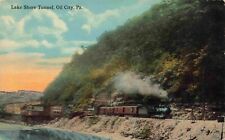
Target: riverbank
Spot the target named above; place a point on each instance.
(21, 132)
(7, 121)
(124, 128)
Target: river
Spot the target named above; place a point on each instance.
(18, 132)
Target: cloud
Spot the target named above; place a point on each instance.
(57, 22)
(75, 46)
(79, 43)
(58, 25)
(7, 26)
(117, 15)
(30, 43)
(30, 61)
(143, 1)
(8, 45)
(46, 44)
(95, 20)
(54, 62)
(15, 35)
(15, 57)
(87, 28)
(19, 62)
(8, 20)
(72, 51)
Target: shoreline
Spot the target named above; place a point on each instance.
(107, 136)
(103, 134)
(131, 128)
(12, 122)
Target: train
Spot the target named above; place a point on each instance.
(36, 113)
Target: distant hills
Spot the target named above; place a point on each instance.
(19, 96)
(179, 44)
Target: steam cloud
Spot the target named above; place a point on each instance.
(130, 83)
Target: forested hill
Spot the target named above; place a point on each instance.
(180, 43)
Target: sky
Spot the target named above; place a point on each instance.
(35, 44)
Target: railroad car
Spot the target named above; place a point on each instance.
(136, 111)
(36, 113)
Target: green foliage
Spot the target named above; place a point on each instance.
(181, 43)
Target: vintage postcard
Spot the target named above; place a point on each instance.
(112, 69)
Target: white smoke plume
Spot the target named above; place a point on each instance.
(130, 83)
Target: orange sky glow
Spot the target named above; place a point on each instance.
(28, 80)
(21, 71)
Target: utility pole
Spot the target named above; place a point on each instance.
(221, 119)
(222, 129)
(224, 92)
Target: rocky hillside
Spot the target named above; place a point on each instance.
(19, 96)
(178, 44)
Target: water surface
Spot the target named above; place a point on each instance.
(18, 132)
